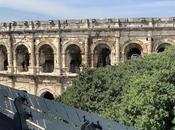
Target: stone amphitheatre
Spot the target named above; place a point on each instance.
(43, 57)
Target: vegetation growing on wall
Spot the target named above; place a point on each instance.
(139, 92)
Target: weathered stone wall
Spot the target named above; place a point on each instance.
(44, 56)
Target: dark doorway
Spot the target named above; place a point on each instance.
(73, 58)
(3, 58)
(48, 95)
(162, 47)
(22, 58)
(46, 59)
(5, 64)
(133, 53)
(102, 55)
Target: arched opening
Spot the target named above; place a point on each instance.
(133, 51)
(22, 58)
(102, 55)
(3, 58)
(73, 58)
(25, 91)
(162, 47)
(46, 58)
(48, 95)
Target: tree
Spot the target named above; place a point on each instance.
(139, 92)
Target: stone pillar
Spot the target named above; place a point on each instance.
(63, 61)
(10, 55)
(149, 41)
(14, 60)
(32, 57)
(86, 52)
(57, 57)
(37, 63)
(117, 48)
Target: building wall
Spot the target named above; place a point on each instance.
(72, 43)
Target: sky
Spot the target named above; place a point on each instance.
(22, 10)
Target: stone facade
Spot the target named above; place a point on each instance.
(42, 57)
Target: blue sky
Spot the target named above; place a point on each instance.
(21, 10)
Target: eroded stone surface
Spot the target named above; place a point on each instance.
(43, 56)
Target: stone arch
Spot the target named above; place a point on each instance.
(162, 47)
(22, 57)
(46, 43)
(46, 58)
(47, 95)
(68, 43)
(3, 58)
(21, 43)
(102, 55)
(6, 46)
(133, 49)
(73, 58)
(99, 42)
(23, 89)
(161, 44)
(109, 45)
(44, 91)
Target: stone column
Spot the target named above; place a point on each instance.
(86, 52)
(14, 59)
(37, 63)
(57, 57)
(32, 57)
(117, 48)
(63, 61)
(149, 41)
(10, 55)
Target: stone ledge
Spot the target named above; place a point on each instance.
(87, 24)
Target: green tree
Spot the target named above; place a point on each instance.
(139, 92)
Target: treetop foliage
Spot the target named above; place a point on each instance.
(139, 92)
